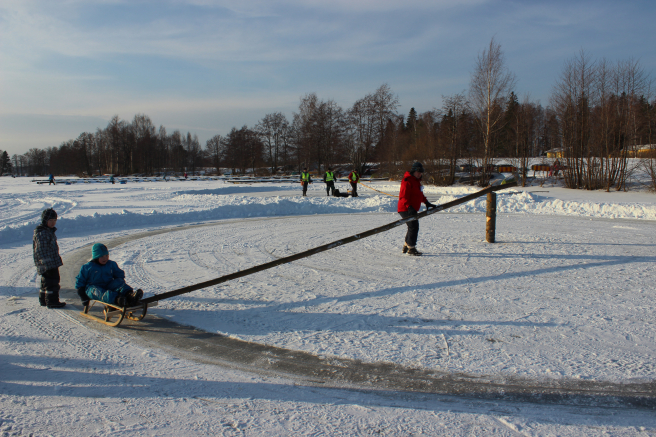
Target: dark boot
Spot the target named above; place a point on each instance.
(135, 297)
(413, 252)
(52, 300)
(42, 298)
(121, 301)
(405, 248)
(83, 296)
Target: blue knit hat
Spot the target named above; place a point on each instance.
(98, 250)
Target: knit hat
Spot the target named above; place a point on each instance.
(98, 250)
(48, 214)
(417, 167)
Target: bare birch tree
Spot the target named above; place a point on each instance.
(572, 100)
(491, 83)
(214, 149)
(273, 130)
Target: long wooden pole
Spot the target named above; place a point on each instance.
(307, 253)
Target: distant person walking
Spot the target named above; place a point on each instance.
(111, 179)
(354, 178)
(555, 168)
(45, 251)
(185, 175)
(305, 180)
(51, 179)
(329, 179)
(410, 200)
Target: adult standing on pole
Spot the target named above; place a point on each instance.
(305, 180)
(410, 200)
(329, 179)
(354, 178)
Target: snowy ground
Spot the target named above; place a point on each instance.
(566, 294)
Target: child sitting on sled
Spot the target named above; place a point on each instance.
(102, 280)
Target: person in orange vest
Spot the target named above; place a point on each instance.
(305, 180)
(354, 178)
(410, 200)
(329, 179)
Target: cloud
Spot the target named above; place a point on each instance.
(217, 30)
(192, 62)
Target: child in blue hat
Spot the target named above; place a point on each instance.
(103, 280)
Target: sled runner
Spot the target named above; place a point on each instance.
(111, 311)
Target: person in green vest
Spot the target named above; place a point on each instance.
(305, 180)
(354, 178)
(329, 179)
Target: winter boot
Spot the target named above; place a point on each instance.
(405, 248)
(135, 297)
(42, 298)
(121, 301)
(83, 296)
(413, 251)
(52, 300)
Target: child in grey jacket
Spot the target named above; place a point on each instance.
(47, 260)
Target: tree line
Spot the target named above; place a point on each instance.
(598, 114)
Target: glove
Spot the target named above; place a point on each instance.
(430, 205)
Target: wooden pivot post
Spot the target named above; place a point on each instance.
(491, 217)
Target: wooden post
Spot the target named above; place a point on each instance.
(491, 217)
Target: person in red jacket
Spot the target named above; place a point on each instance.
(410, 199)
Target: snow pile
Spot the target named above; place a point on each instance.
(528, 203)
(166, 207)
(201, 208)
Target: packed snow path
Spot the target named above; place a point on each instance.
(557, 305)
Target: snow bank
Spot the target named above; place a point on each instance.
(166, 208)
(205, 207)
(528, 203)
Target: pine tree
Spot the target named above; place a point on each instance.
(5, 163)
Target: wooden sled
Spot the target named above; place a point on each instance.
(111, 311)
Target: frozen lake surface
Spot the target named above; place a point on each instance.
(566, 293)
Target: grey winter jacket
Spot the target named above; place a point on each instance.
(46, 249)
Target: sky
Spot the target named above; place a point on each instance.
(205, 66)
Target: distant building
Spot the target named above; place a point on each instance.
(555, 153)
(642, 151)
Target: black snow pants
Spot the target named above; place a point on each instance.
(49, 293)
(354, 189)
(413, 228)
(330, 188)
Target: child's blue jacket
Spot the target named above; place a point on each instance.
(92, 273)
